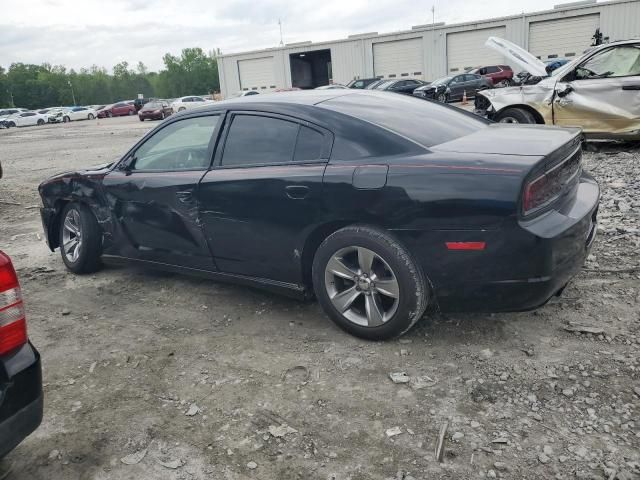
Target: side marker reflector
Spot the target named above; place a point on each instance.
(466, 245)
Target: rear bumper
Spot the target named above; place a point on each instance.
(532, 262)
(21, 397)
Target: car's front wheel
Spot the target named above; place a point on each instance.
(66, 119)
(441, 97)
(181, 109)
(368, 283)
(40, 122)
(80, 239)
(515, 115)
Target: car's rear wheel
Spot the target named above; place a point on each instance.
(515, 115)
(141, 119)
(368, 283)
(162, 116)
(91, 116)
(80, 239)
(109, 115)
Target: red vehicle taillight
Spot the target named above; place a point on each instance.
(13, 324)
(545, 188)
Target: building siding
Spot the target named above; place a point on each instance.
(353, 57)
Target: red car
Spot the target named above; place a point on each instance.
(500, 75)
(117, 110)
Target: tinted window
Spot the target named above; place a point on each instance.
(182, 145)
(493, 69)
(427, 123)
(257, 140)
(309, 145)
(119, 105)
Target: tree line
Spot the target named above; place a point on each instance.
(36, 86)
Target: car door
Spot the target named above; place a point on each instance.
(28, 119)
(264, 194)
(77, 113)
(456, 87)
(152, 195)
(603, 93)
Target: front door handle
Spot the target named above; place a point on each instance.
(631, 87)
(297, 192)
(185, 196)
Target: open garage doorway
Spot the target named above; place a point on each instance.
(311, 69)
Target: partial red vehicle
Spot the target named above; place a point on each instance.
(117, 110)
(500, 75)
(155, 110)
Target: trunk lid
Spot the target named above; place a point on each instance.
(520, 140)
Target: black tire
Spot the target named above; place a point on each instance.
(413, 292)
(162, 116)
(515, 115)
(66, 119)
(40, 122)
(90, 249)
(141, 119)
(11, 125)
(442, 97)
(109, 114)
(91, 116)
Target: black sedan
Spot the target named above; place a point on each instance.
(451, 89)
(406, 86)
(379, 204)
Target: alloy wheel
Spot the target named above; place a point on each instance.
(508, 120)
(442, 98)
(72, 235)
(362, 286)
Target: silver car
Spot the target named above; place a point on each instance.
(599, 92)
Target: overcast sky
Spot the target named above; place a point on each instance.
(79, 33)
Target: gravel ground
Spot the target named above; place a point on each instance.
(154, 375)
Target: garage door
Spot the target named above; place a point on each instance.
(257, 73)
(466, 50)
(566, 37)
(399, 58)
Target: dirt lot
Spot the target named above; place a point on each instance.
(151, 375)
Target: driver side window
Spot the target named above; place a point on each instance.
(182, 145)
(619, 61)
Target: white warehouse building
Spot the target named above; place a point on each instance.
(428, 51)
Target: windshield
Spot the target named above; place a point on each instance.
(152, 105)
(384, 85)
(441, 81)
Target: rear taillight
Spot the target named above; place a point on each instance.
(543, 189)
(13, 325)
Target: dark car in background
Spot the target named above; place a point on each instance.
(379, 204)
(453, 88)
(500, 75)
(21, 396)
(117, 110)
(155, 110)
(362, 83)
(405, 86)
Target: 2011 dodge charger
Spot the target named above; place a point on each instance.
(380, 204)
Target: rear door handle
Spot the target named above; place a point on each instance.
(631, 87)
(297, 192)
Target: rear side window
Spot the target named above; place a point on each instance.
(259, 140)
(423, 122)
(309, 145)
(255, 140)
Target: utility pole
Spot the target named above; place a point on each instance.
(11, 95)
(280, 25)
(433, 16)
(72, 94)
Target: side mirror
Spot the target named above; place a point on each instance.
(126, 165)
(563, 90)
